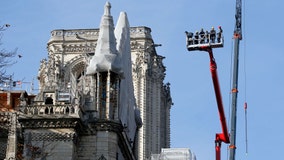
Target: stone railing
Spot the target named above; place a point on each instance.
(74, 32)
(71, 35)
(93, 34)
(51, 110)
(140, 32)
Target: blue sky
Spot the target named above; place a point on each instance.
(194, 116)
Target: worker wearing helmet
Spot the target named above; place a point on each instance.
(196, 37)
(202, 36)
(207, 36)
(189, 36)
(219, 34)
(212, 35)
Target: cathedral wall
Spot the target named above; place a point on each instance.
(3, 147)
(87, 147)
(102, 145)
(107, 145)
(50, 144)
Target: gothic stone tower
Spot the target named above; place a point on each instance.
(152, 95)
(97, 88)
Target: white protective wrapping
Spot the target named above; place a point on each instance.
(106, 56)
(127, 99)
(113, 53)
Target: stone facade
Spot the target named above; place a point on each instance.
(11, 139)
(152, 95)
(77, 116)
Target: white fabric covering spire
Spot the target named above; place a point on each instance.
(113, 53)
(106, 56)
(128, 110)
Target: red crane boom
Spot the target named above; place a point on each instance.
(224, 136)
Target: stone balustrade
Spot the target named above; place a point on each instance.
(51, 110)
(80, 32)
(140, 32)
(92, 34)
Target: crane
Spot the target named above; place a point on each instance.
(237, 38)
(205, 42)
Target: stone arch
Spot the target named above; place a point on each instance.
(76, 68)
(77, 65)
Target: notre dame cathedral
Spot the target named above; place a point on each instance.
(101, 96)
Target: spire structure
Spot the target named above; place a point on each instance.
(106, 56)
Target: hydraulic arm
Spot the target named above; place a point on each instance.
(205, 42)
(224, 136)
